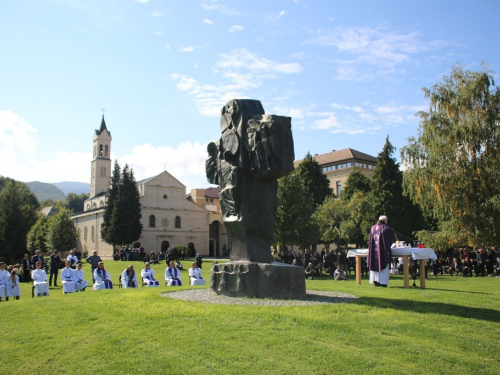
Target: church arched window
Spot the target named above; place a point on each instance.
(85, 231)
(177, 221)
(106, 150)
(101, 203)
(92, 234)
(152, 221)
(101, 150)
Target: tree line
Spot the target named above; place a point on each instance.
(24, 229)
(447, 195)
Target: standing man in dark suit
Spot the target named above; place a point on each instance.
(26, 268)
(55, 260)
(37, 258)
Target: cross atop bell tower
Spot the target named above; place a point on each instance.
(101, 162)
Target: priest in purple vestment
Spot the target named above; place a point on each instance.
(379, 252)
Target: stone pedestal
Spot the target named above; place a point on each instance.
(261, 280)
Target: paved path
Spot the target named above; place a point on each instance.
(313, 297)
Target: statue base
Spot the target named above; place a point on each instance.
(261, 280)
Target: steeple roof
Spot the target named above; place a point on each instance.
(103, 127)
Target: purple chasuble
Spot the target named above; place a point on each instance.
(174, 274)
(379, 247)
(107, 283)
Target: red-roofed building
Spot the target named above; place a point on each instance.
(338, 165)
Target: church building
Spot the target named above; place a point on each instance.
(168, 217)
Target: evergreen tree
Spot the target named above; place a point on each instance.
(294, 221)
(356, 181)
(18, 207)
(453, 166)
(387, 196)
(107, 229)
(37, 235)
(313, 178)
(122, 216)
(61, 232)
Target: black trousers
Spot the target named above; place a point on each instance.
(53, 273)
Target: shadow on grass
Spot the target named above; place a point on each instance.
(432, 308)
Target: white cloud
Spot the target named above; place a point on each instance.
(282, 13)
(235, 28)
(156, 14)
(217, 5)
(370, 51)
(142, 1)
(293, 112)
(207, 21)
(16, 133)
(187, 49)
(239, 74)
(168, 46)
(349, 108)
(157, 33)
(183, 162)
(242, 58)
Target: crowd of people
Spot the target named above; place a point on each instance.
(140, 254)
(329, 263)
(43, 275)
(325, 263)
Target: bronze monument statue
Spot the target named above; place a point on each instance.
(254, 150)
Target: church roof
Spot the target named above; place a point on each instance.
(103, 127)
(212, 192)
(339, 156)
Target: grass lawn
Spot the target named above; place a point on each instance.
(452, 327)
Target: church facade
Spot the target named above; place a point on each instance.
(168, 218)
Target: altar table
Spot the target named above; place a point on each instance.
(398, 252)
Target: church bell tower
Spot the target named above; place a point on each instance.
(101, 162)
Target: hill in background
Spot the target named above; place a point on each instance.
(45, 191)
(73, 187)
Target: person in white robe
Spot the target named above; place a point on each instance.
(129, 279)
(102, 278)
(67, 279)
(148, 276)
(79, 279)
(173, 275)
(40, 283)
(12, 289)
(4, 275)
(195, 275)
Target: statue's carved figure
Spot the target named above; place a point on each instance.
(254, 150)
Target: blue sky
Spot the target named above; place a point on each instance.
(348, 73)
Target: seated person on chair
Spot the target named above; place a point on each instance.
(195, 275)
(309, 271)
(39, 277)
(13, 286)
(79, 279)
(179, 265)
(67, 279)
(148, 276)
(129, 280)
(173, 275)
(102, 278)
(339, 274)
